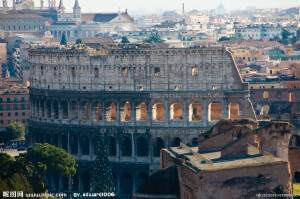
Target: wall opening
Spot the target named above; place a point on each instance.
(74, 145)
(74, 109)
(126, 147)
(86, 181)
(214, 111)
(195, 71)
(195, 112)
(112, 146)
(48, 109)
(176, 142)
(234, 110)
(97, 112)
(64, 142)
(141, 179)
(65, 113)
(85, 114)
(85, 145)
(126, 112)
(142, 147)
(158, 145)
(55, 140)
(111, 112)
(141, 112)
(126, 184)
(176, 112)
(158, 112)
(265, 110)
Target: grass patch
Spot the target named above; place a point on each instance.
(296, 189)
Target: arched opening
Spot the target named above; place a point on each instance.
(74, 110)
(157, 146)
(42, 138)
(194, 141)
(97, 112)
(234, 109)
(112, 146)
(85, 145)
(64, 107)
(76, 33)
(48, 109)
(48, 138)
(126, 183)
(195, 112)
(254, 145)
(111, 112)
(142, 147)
(126, 148)
(43, 108)
(75, 182)
(86, 181)
(68, 34)
(158, 112)
(64, 142)
(85, 108)
(141, 179)
(214, 111)
(265, 110)
(55, 107)
(176, 142)
(176, 112)
(141, 112)
(126, 112)
(74, 145)
(55, 140)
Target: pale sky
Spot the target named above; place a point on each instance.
(152, 5)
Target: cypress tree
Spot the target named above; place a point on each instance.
(63, 40)
(103, 178)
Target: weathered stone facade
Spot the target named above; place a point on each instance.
(255, 162)
(143, 99)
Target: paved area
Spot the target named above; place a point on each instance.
(13, 152)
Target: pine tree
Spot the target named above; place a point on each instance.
(125, 40)
(63, 40)
(103, 179)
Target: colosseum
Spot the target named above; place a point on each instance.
(143, 99)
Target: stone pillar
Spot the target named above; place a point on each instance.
(118, 112)
(205, 111)
(167, 112)
(78, 111)
(69, 110)
(225, 109)
(185, 113)
(133, 113)
(133, 145)
(91, 146)
(40, 109)
(79, 143)
(52, 109)
(103, 113)
(59, 109)
(149, 111)
(69, 141)
(117, 146)
(45, 108)
(91, 111)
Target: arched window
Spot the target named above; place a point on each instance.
(112, 146)
(85, 145)
(74, 145)
(126, 147)
(85, 110)
(55, 140)
(126, 112)
(64, 142)
(195, 112)
(176, 112)
(142, 147)
(214, 111)
(48, 109)
(64, 107)
(158, 112)
(141, 112)
(176, 142)
(55, 107)
(157, 146)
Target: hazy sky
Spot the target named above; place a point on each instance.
(152, 5)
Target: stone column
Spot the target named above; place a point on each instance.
(69, 147)
(225, 109)
(59, 109)
(185, 113)
(40, 109)
(69, 110)
(118, 113)
(205, 111)
(78, 111)
(149, 112)
(45, 108)
(91, 111)
(52, 109)
(167, 112)
(133, 113)
(132, 145)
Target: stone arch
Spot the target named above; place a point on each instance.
(126, 147)
(126, 183)
(55, 140)
(112, 146)
(64, 107)
(176, 142)
(85, 145)
(142, 147)
(48, 107)
(97, 111)
(111, 112)
(125, 111)
(141, 112)
(234, 109)
(158, 144)
(265, 110)
(64, 142)
(142, 176)
(176, 111)
(195, 112)
(74, 110)
(85, 111)
(55, 109)
(158, 112)
(214, 111)
(86, 181)
(75, 182)
(74, 144)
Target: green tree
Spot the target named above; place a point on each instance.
(154, 39)
(287, 37)
(125, 40)
(230, 38)
(14, 131)
(63, 40)
(44, 158)
(103, 179)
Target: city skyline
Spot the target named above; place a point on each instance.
(158, 6)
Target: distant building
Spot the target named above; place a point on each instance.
(14, 102)
(221, 10)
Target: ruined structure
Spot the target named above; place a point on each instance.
(242, 162)
(143, 99)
